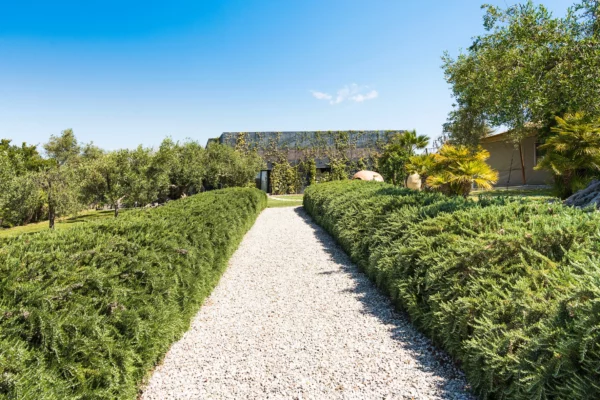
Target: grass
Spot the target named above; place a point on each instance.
(63, 223)
(290, 200)
(290, 197)
(278, 204)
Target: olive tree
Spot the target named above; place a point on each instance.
(185, 166)
(226, 167)
(58, 179)
(528, 67)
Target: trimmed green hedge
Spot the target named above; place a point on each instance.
(509, 287)
(86, 313)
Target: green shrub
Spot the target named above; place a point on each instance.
(86, 313)
(509, 287)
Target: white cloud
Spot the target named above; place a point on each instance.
(359, 98)
(352, 92)
(321, 95)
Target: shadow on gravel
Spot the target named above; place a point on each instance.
(330, 272)
(429, 358)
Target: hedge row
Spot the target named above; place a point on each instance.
(87, 312)
(509, 287)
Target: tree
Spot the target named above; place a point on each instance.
(23, 201)
(58, 178)
(130, 177)
(6, 175)
(73, 175)
(90, 151)
(410, 141)
(106, 179)
(466, 127)
(148, 177)
(458, 168)
(62, 148)
(20, 200)
(60, 187)
(396, 154)
(391, 163)
(529, 67)
(572, 154)
(24, 158)
(185, 165)
(226, 167)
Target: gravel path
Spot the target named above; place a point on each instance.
(293, 318)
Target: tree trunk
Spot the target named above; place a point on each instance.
(51, 216)
(51, 210)
(116, 210)
(466, 189)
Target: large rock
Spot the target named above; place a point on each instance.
(590, 196)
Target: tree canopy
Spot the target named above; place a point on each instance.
(70, 176)
(528, 67)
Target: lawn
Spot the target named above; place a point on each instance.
(290, 200)
(289, 197)
(63, 223)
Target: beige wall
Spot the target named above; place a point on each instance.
(502, 152)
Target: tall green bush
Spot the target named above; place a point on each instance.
(87, 312)
(509, 287)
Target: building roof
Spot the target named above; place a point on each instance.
(504, 137)
(530, 128)
(304, 139)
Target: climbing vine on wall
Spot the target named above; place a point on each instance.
(284, 177)
(344, 153)
(308, 169)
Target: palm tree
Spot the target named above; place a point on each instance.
(411, 142)
(422, 164)
(458, 168)
(573, 153)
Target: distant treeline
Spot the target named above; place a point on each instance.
(64, 176)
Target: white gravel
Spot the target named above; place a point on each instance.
(293, 318)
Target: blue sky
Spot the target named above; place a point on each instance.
(123, 73)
